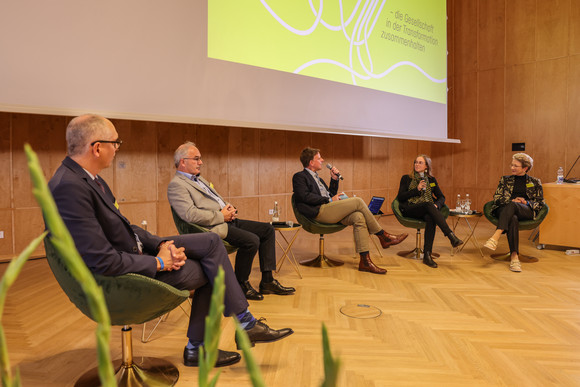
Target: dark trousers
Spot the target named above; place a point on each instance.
(508, 220)
(251, 237)
(432, 216)
(205, 254)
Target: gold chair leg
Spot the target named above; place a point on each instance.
(146, 371)
(322, 260)
(417, 252)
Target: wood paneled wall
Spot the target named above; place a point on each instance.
(252, 168)
(514, 76)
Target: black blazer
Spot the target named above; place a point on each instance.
(104, 238)
(405, 194)
(307, 197)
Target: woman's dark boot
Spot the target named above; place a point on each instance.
(427, 260)
(454, 240)
(366, 264)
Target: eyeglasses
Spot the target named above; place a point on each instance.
(116, 143)
(196, 159)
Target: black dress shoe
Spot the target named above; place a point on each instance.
(225, 358)
(262, 333)
(250, 292)
(427, 260)
(275, 287)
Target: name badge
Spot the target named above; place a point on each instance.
(530, 185)
(116, 204)
(432, 184)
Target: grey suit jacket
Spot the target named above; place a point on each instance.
(196, 206)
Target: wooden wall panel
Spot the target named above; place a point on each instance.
(213, 143)
(362, 175)
(243, 162)
(46, 135)
(550, 124)
(136, 162)
(552, 29)
(381, 163)
(573, 120)
(491, 35)
(519, 110)
(5, 161)
(7, 242)
(520, 31)
(465, 42)
(28, 224)
(272, 162)
(165, 224)
(575, 27)
(295, 142)
(464, 154)
(138, 212)
(490, 130)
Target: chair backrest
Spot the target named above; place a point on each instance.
(130, 298)
(523, 224)
(413, 222)
(313, 226)
(184, 227)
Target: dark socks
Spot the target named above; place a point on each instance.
(267, 276)
(247, 321)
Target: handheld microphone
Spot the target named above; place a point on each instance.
(424, 178)
(330, 167)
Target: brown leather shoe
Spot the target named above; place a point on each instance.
(366, 264)
(387, 239)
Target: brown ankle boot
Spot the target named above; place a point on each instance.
(366, 264)
(387, 239)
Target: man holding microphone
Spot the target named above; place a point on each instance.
(315, 200)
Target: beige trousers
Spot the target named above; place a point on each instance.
(351, 212)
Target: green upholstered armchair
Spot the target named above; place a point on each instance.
(130, 299)
(184, 227)
(315, 227)
(416, 224)
(523, 225)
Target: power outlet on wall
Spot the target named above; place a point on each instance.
(1, 234)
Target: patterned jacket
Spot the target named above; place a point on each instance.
(505, 188)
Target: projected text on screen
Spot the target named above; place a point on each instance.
(396, 46)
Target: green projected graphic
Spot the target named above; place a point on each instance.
(393, 46)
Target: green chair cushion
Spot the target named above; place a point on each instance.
(523, 224)
(184, 227)
(314, 227)
(413, 222)
(130, 298)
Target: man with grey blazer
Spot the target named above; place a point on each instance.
(196, 201)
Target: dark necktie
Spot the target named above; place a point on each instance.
(99, 184)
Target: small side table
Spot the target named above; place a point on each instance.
(470, 236)
(287, 251)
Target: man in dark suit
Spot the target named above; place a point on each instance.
(315, 200)
(196, 201)
(110, 245)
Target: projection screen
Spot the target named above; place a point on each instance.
(363, 67)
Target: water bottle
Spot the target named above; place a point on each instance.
(560, 178)
(458, 203)
(467, 204)
(276, 213)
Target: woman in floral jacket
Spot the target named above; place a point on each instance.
(517, 197)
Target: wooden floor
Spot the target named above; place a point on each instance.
(469, 322)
